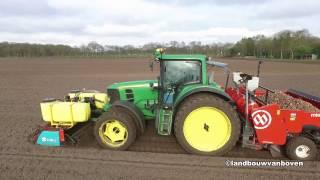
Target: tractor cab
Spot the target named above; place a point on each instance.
(178, 73)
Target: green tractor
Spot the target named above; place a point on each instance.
(183, 100)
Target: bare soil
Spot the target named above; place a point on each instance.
(25, 82)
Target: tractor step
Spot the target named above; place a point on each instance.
(164, 121)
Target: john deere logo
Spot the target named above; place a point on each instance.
(261, 119)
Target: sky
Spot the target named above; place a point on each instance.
(136, 22)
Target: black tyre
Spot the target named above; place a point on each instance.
(115, 130)
(207, 125)
(301, 148)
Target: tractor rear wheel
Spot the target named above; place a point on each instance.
(301, 148)
(207, 125)
(115, 130)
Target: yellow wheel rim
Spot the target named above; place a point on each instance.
(207, 129)
(113, 133)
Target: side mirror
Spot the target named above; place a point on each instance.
(151, 66)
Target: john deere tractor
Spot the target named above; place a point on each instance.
(184, 100)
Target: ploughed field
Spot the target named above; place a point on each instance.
(25, 82)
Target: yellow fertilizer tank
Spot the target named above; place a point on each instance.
(101, 99)
(67, 114)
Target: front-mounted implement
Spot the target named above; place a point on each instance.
(66, 119)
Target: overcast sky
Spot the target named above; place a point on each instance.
(121, 22)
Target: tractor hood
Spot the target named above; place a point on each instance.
(131, 84)
(140, 93)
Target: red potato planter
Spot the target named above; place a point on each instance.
(267, 125)
(273, 124)
(297, 130)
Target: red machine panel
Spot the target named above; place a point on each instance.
(269, 125)
(272, 124)
(295, 120)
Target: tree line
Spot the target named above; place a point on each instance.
(283, 45)
(35, 50)
(286, 44)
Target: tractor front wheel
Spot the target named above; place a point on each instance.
(301, 148)
(115, 130)
(207, 125)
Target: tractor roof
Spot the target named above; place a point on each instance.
(160, 55)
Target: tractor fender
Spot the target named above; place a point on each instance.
(221, 94)
(134, 111)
